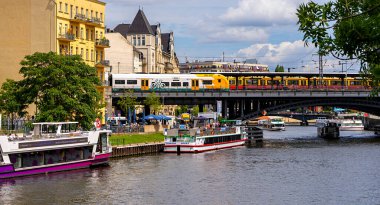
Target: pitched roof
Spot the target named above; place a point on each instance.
(154, 29)
(165, 40)
(140, 25)
(122, 29)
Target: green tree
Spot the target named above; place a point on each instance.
(195, 110)
(10, 100)
(279, 68)
(62, 87)
(153, 101)
(181, 109)
(347, 29)
(129, 102)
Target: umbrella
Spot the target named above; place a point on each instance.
(163, 117)
(151, 117)
(200, 118)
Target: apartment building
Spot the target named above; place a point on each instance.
(67, 27)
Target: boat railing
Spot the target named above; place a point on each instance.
(16, 137)
(217, 131)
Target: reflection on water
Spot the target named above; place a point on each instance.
(293, 167)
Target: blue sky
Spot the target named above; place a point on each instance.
(262, 29)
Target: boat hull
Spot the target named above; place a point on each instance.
(7, 171)
(351, 128)
(187, 148)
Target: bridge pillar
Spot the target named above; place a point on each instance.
(224, 110)
(231, 109)
(241, 107)
(248, 106)
(201, 106)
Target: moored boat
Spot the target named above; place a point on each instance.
(200, 139)
(52, 147)
(329, 130)
(349, 124)
(274, 124)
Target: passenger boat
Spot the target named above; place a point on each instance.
(200, 140)
(349, 124)
(52, 147)
(321, 122)
(274, 124)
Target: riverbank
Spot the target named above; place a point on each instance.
(135, 139)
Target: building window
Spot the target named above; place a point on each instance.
(134, 40)
(81, 33)
(81, 52)
(91, 37)
(71, 50)
(143, 41)
(138, 41)
(71, 11)
(60, 28)
(101, 17)
(96, 56)
(86, 13)
(60, 6)
(76, 32)
(101, 56)
(86, 54)
(66, 28)
(81, 11)
(92, 13)
(66, 8)
(87, 36)
(76, 10)
(76, 51)
(101, 34)
(96, 14)
(92, 55)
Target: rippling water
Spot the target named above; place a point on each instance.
(292, 167)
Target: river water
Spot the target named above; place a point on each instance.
(292, 167)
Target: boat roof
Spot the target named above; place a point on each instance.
(53, 123)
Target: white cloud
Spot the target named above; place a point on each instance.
(262, 13)
(235, 34)
(285, 53)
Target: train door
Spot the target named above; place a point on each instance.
(194, 84)
(144, 84)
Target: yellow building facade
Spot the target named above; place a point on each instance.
(67, 27)
(81, 31)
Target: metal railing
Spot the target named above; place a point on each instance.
(103, 42)
(68, 36)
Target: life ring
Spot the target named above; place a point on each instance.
(97, 123)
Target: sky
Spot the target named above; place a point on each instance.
(265, 30)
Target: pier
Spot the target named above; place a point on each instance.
(137, 149)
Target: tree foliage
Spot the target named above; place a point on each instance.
(62, 87)
(181, 109)
(279, 68)
(153, 101)
(195, 110)
(346, 29)
(129, 102)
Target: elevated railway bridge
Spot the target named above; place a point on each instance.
(241, 103)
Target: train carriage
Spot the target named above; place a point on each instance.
(163, 82)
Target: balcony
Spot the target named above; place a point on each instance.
(67, 37)
(103, 63)
(79, 18)
(102, 43)
(94, 21)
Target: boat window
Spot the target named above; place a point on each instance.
(15, 160)
(102, 143)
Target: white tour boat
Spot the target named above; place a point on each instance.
(52, 147)
(274, 124)
(349, 124)
(200, 140)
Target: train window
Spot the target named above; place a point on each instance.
(119, 81)
(219, 80)
(134, 82)
(207, 82)
(176, 84)
(166, 84)
(232, 82)
(185, 84)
